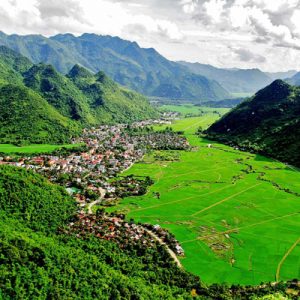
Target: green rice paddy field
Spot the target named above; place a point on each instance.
(236, 214)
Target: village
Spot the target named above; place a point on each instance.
(91, 174)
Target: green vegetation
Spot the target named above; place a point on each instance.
(37, 261)
(25, 117)
(39, 105)
(34, 148)
(236, 214)
(192, 110)
(143, 70)
(34, 201)
(268, 123)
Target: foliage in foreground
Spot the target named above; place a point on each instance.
(37, 261)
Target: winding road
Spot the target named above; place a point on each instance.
(161, 242)
(90, 205)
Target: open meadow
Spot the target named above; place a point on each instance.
(34, 148)
(236, 214)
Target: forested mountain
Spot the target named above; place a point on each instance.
(268, 123)
(39, 261)
(295, 80)
(40, 105)
(234, 80)
(143, 70)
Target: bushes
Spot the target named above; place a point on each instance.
(31, 198)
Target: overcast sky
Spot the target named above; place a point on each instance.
(224, 33)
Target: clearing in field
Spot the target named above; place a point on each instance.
(236, 214)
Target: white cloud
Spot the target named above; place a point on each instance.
(209, 31)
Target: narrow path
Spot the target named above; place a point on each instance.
(180, 200)
(161, 242)
(239, 228)
(90, 206)
(226, 199)
(284, 258)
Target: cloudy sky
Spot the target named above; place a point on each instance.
(224, 33)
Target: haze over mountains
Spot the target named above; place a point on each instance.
(294, 80)
(238, 80)
(143, 70)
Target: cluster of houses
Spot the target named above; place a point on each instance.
(87, 175)
(111, 228)
(115, 228)
(109, 151)
(166, 237)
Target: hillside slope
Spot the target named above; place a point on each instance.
(143, 70)
(39, 261)
(25, 117)
(295, 80)
(268, 123)
(40, 105)
(234, 80)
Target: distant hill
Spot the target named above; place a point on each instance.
(226, 103)
(26, 117)
(281, 75)
(234, 80)
(268, 123)
(143, 70)
(295, 80)
(40, 105)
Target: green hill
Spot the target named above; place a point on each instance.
(143, 70)
(38, 261)
(26, 117)
(108, 102)
(268, 123)
(33, 200)
(40, 105)
(11, 66)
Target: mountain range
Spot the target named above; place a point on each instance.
(268, 123)
(294, 80)
(143, 70)
(238, 80)
(40, 105)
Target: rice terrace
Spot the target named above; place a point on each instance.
(236, 214)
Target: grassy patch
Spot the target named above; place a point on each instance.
(233, 226)
(34, 148)
(187, 109)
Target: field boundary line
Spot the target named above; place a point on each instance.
(232, 230)
(284, 258)
(226, 199)
(180, 200)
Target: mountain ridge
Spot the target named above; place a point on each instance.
(233, 79)
(272, 127)
(40, 105)
(141, 69)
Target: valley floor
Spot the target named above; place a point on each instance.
(236, 214)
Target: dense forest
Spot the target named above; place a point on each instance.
(268, 123)
(39, 261)
(40, 105)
